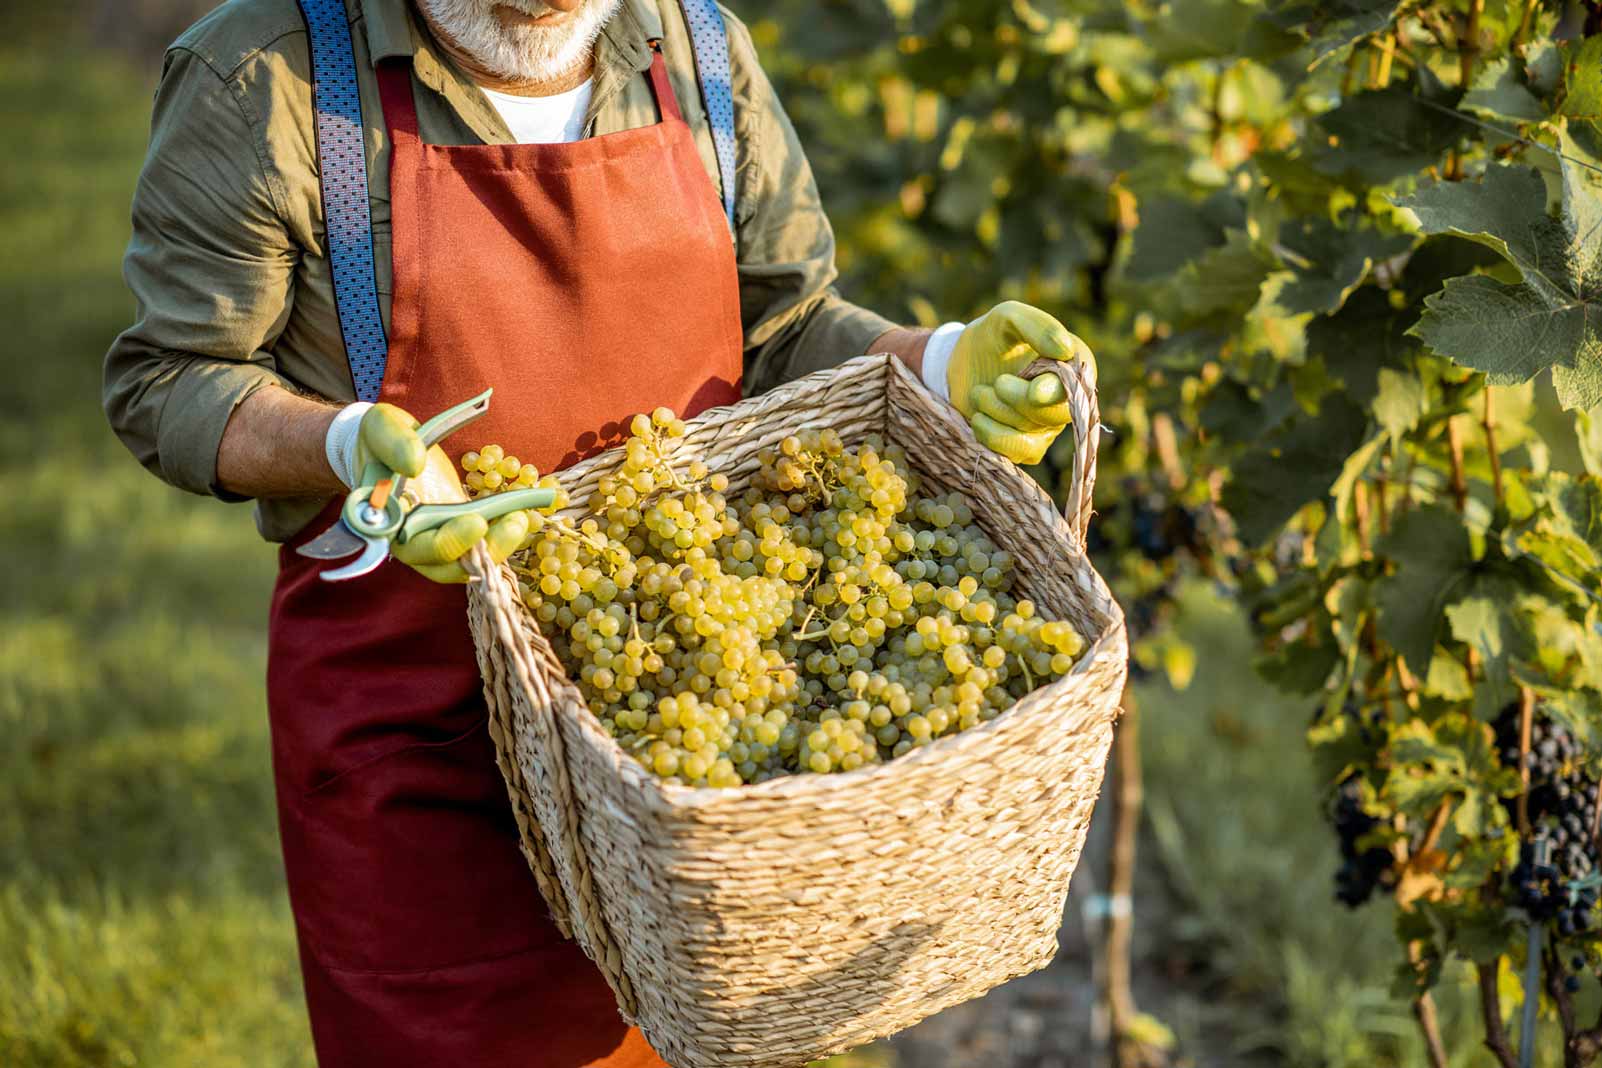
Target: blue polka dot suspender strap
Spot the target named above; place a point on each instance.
(342, 163)
(709, 39)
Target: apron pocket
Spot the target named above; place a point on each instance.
(410, 862)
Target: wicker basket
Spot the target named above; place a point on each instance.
(773, 924)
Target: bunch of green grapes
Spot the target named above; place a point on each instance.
(490, 470)
(832, 615)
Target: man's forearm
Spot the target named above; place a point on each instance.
(273, 447)
(906, 344)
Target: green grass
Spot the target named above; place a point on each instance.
(142, 911)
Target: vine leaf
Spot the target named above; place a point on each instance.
(1356, 466)
(1300, 667)
(1227, 276)
(1286, 470)
(1400, 401)
(1578, 710)
(1432, 553)
(1482, 934)
(1199, 29)
(1566, 531)
(1507, 331)
(1327, 263)
(1481, 623)
(1420, 879)
(1367, 334)
(1390, 133)
(1330, 27)
(1553, 319)
(1588, 435)
(1235, 413)
(1564, 648)
(1448, 679)
(1174, 231)
(1582, 103)
(1497, 93)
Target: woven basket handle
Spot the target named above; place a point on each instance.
(1079, 379)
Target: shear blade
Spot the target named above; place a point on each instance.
(377, 552)
(335, 543)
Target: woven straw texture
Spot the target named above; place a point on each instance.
(769, 925)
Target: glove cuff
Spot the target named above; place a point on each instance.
(340, 444)
(937, 358)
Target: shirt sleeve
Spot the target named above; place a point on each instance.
(795, 321)
(211, 267)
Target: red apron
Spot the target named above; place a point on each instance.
(585, 282)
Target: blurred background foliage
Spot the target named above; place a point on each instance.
(969, 151)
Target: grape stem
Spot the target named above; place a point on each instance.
(1596, 822)
(1360, 511)
(1408, 683)
(654, 441)
(1532, 994)
(1489, 422)
(1437, 827)
(799, 633)
(1556, 975)
(1163, 436)
(1029, 678)
(1429, 1023)
(1353, 59)
(1382, 484)
(1524, 25)
(1382, 67)
(1526, 729)
(1496, 1039)
(1468, 45)
(1454, 446)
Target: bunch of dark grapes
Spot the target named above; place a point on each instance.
(1146, 536)
(1364, 869)
(1553, 879)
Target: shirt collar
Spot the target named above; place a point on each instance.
(389, 28)
(623, 49)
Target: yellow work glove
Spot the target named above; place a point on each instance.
(1015, 417)
(389, 435)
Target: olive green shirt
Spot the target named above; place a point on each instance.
(228, 262)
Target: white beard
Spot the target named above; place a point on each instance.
(522, 53)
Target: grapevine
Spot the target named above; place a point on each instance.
(830, 616)
(1339, 265)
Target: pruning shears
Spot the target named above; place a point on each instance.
(376, 513)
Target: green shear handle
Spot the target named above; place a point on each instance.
(375, 513)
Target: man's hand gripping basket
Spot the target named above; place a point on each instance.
(769, 925)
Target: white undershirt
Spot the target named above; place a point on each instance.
(544, 120)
